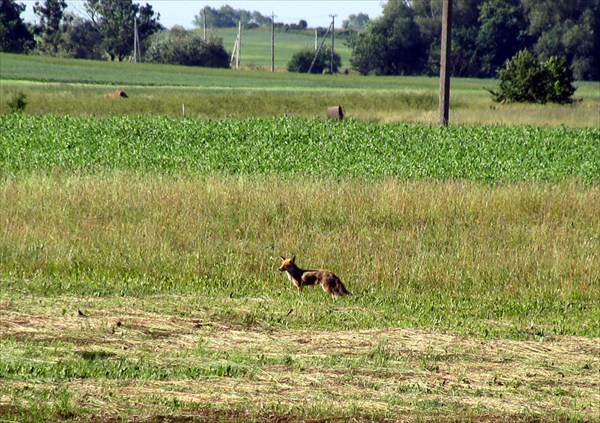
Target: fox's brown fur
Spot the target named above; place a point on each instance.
(301, 278)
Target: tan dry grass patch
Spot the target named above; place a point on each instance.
(327, 369)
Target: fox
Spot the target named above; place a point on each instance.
(330, 283)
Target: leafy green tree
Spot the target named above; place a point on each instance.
(260, 19)
(391, 45)
(114, 19)
(559, 80)
(82, 39)
(465, 27)
(15, 37)
(115, 22)
(569, 28)
(356, 21)
(525, 79)
(53, 24)
(302, 59)
(224, 17)
(503, 32)
(227, 17)
(428, 16)
(147, 22)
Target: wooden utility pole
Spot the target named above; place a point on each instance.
(444, 103)
(272, 42)
(332, 39)
(137, 52)
(239, 45)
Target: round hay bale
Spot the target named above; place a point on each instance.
(116, 94)
(335, 112)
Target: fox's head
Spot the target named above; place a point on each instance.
(287, 264)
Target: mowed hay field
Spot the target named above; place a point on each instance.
(139, 255)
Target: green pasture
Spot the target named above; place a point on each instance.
(141, 296)
(256, 46)
(139, 249)
(76, 87)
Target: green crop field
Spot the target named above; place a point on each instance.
(289, 146)
(139, 249)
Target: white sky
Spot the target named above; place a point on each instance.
(182, 12)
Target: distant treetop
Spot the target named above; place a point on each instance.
(227, 17)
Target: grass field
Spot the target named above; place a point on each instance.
(139, 250)
(256, 46)
(61, 86)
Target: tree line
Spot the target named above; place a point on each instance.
(485, 34)
(405, 40)
(108, 28)
(228, 17)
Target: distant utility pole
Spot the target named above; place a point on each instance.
(237, 48)
(332, 39)
(137, 54)
(204, 24)
(444, 102)
(272, 42)
(318, 50)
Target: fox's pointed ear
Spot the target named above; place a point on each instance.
(293, 258)
(282, 257)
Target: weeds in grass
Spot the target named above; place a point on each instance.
(17, 102)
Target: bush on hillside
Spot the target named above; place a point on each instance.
(302, 59)
(526, 80)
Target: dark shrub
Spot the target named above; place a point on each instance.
(181, 47)
(524, 79)
(301, 61)
(17, 102)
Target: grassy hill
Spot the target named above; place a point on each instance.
(256, 45)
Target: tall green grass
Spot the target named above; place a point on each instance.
(515, 260)
(75, 87)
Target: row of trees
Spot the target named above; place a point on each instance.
(485, 33)
(404, 40)
(228, 17)
(109, 28)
